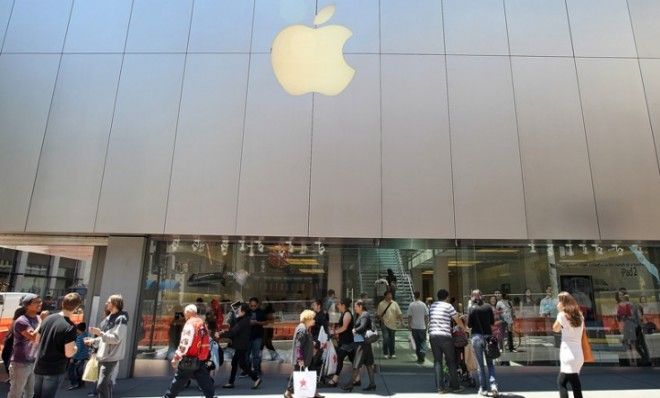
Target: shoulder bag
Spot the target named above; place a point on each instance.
(491, 345)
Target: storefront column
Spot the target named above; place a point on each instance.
(52, 273)
(335, 273)
(440, 274)
(416, 275)
(21, 267)
(122, 274)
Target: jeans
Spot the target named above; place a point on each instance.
(45, 386)
(444, 346)
(388, 341)
(484, 378)
(240, 359)
(181, 377)
(574, 379)
(419, 336)
(104, 385)
(21, 376)
(75, 371)
(255, 354)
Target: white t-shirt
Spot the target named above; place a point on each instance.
(571, 357)
(418, 311)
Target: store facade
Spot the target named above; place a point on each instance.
(497, 144)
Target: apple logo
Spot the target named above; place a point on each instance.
(308, 59)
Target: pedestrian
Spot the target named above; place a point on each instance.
(418, 318)
(391, 282)
(190, 358)
(548, 305)
(77, 364)
(481, 319)
(330, 301)
(442, 343)
(25, 339)
(321, 319)
(344, 335)
(389, 315)
(110, 341)
(239, 334)
(57, 344)
(302, 352)
(269, 332)
(364, 355)
(570, 323)
(257, 322)
(641, 346)
(174, 332)
(507, 316)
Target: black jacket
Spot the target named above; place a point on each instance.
(239, 333)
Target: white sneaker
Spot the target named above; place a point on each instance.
(482, 392)
(393, 356)
(493, 389)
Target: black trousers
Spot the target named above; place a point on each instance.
(341, 356)
(181, 377)
(574, 379)
(240, 358)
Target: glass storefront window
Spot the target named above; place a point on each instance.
(519, 278)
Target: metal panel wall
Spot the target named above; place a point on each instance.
(159, 26)
(26, 89)
(274, 182)
(37, 26)
(558, 189)
(204, 184)
(475, 27)
(346, 157)
(645, 16)
(417, 190)
(412, 30)
(538, 27)
(651, 74)
(69, 177)
(488, 186)
(137, 171)
(98, 26)
(221, 26)
(623, 158)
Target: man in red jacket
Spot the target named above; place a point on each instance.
(190, 358)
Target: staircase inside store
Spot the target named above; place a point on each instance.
(374, 263)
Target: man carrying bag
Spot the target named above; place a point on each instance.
(191, 356)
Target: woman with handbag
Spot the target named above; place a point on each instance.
(570, 323)
(481, 320)
(364, 355)
(344, 334)
(303, 348)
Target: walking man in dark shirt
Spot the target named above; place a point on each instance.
(257, 321)
(481, 320)
(58, 344)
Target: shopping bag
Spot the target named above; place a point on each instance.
(586, 347)
(470, 359)
(304, 384)
(323, 336)
(91, 372)
(330, 360)
(411, 339)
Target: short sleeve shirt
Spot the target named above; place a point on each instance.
(418, 311)
(389, 315)
(24, 349)
(56, 332)
(440, 318)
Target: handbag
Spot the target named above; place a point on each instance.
(586, 347)
(91, 372)
(460, 337)
(189, 364)
(649, 328)
(371, 336)
(491, 345)
(304, 383)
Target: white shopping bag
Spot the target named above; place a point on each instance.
(323, 336)
(304, 384)
(329, 360)
(413, 346)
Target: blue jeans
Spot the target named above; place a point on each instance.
(255, 354)
(46, 386)
(75, 370)
(419, 336)
(485, 380)
(388, 341)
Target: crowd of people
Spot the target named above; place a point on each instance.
(44, 346)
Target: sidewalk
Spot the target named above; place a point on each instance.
(517, 382)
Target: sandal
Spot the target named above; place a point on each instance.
(331, 383)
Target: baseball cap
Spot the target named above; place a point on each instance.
(28, 298)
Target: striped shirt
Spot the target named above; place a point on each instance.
(441, 314)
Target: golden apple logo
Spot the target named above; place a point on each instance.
(308, 59)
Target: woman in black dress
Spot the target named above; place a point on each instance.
(344, 334)
(364, 355)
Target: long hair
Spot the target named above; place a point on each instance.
(570, 308)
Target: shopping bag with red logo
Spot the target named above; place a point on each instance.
(304, 384)
(329, 360)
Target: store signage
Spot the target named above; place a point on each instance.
(311, 59)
